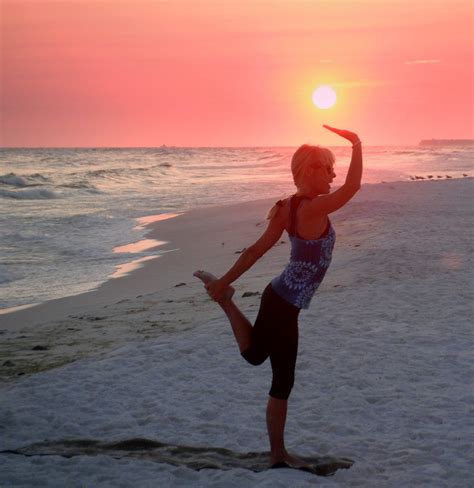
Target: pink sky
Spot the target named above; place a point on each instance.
(233, 73)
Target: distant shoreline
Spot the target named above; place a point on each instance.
(446, 142)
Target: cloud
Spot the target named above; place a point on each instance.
(424, 61)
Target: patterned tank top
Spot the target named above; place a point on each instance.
(309, 261)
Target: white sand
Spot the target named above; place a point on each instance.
(384, 373)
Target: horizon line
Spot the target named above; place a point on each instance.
(194, 147)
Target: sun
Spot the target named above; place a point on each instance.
(324, 97)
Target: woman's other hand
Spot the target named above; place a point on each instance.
(350, 136)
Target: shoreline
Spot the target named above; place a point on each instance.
(62, 329)
(149, 243)
(40, 284)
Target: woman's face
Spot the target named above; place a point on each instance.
(323, 177)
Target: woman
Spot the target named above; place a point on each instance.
(275, 333)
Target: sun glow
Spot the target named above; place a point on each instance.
(324, 97)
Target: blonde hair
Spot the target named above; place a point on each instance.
(307, 156)
(302, 163)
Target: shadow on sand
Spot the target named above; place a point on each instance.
(196, 458)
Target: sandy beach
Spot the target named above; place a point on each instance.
(384, 374)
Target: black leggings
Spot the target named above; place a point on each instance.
(275, 334)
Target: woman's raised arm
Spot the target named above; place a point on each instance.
(326, 204)
(354, 175)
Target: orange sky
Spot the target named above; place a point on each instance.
(233, 73)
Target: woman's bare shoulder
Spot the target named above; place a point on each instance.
(279, 208)
(284, 202)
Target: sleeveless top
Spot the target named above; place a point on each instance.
(309, 261)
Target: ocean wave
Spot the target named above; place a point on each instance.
(161, 166)
(142, 169)
(80, 185)
(49, 158)
(273, 155)
(4, 280)
(136, 170)
(36, 194)
(7, 274)
(12, 179)
(439, 152)
(101, 173)
(39, 176)
(275, 162)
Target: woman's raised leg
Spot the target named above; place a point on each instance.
(241, 326)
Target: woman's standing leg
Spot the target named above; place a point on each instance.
(283, 372)
(283, 354)
(276, 419)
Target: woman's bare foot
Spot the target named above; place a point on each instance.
(207, 277)
(292, 461)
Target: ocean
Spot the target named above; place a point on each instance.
(65, 214)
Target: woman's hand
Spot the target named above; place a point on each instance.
(216, 289)
(350, 136)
